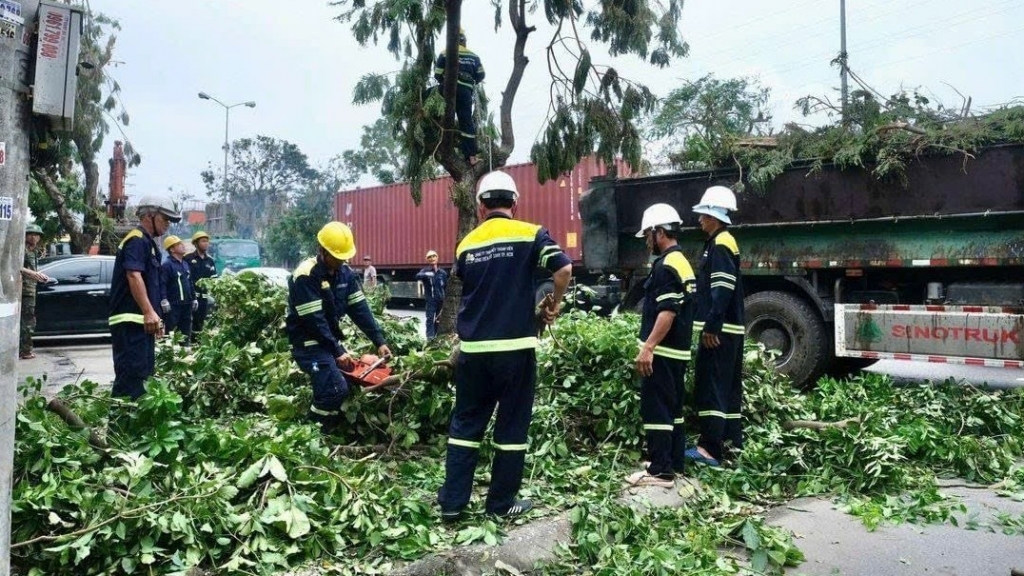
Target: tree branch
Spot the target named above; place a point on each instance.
(517, 17)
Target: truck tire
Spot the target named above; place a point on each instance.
(790, 325)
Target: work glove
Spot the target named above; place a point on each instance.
(165, 306)
(195, 305)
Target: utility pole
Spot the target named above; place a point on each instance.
(16, 23)
(843, 58)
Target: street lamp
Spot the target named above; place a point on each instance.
(227, 115)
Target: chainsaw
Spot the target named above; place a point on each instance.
(369, 371)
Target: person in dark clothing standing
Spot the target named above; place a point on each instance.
(497, 364)
(718, 372)
(135, 298)
(200, 267)
(471, 73)
(666, 327)
(177, 299)
(434, 280)
(312, 324)
(30, 277)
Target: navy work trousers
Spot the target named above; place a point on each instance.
(179, 319)
(329, 386)
(433, 307)
(661, 408)
(134, 358)
(482, 381)
(199, 317)
(464, 97)
(718, 379)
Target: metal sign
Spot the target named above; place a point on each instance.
(6, 208)
(10, 11)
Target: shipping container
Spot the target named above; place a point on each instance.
(396, 233)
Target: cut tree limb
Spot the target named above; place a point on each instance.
(816, 425)
(76, 423)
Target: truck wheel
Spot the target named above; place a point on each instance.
(789, 325)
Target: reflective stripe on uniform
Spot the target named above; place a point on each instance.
(679, 421)
(356, 297)
(309, 307)
(723, 284)
(464, 443)
(666, 352)
(310, 343)
(547, 252)
(733, 416)
(181, 289)
(675, 295)
(724, 275)
(316, 410)
(661, 427)
(126, 317)
(733, 329)
(698, 326)
(511, 447)
(498, 345)
(714, 413)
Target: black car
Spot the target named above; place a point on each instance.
(76, 299)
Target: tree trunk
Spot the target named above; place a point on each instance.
(462, 197)
(64, 214)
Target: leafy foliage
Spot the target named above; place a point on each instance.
(215, 467)
(877, 134)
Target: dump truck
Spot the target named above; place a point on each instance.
(841, 268)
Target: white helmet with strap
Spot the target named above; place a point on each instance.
(497, 184)
(717, 202)
(658, 215)
(154, 205)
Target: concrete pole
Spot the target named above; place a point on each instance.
(15, 113)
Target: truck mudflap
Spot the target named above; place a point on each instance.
(971, 335)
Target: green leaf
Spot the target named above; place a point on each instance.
(579, 81)
(277, 469)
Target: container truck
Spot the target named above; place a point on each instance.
(841, 269)
(396, 233)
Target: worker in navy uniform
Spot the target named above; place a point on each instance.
(471, 73)
(177, 299)
(718, 371)
(200, 267)
(666, 328)
(135, 298)
(350, 301)
(312, 323)
(497, 364)
(434, 280)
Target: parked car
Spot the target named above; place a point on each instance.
(276, 276)
(76, 299)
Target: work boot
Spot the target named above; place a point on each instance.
(452, 517)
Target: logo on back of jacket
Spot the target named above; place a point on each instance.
(486, 255)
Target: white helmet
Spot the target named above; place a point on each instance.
(497, 184)
(717, 202)
(154, 205)
(658, 215)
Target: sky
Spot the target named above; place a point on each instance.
(300, 65)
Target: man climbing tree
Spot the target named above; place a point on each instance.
(592, 108)
(471, 73)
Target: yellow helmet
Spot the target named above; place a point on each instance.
(337, 239)
(171, 241)
(200, 235)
